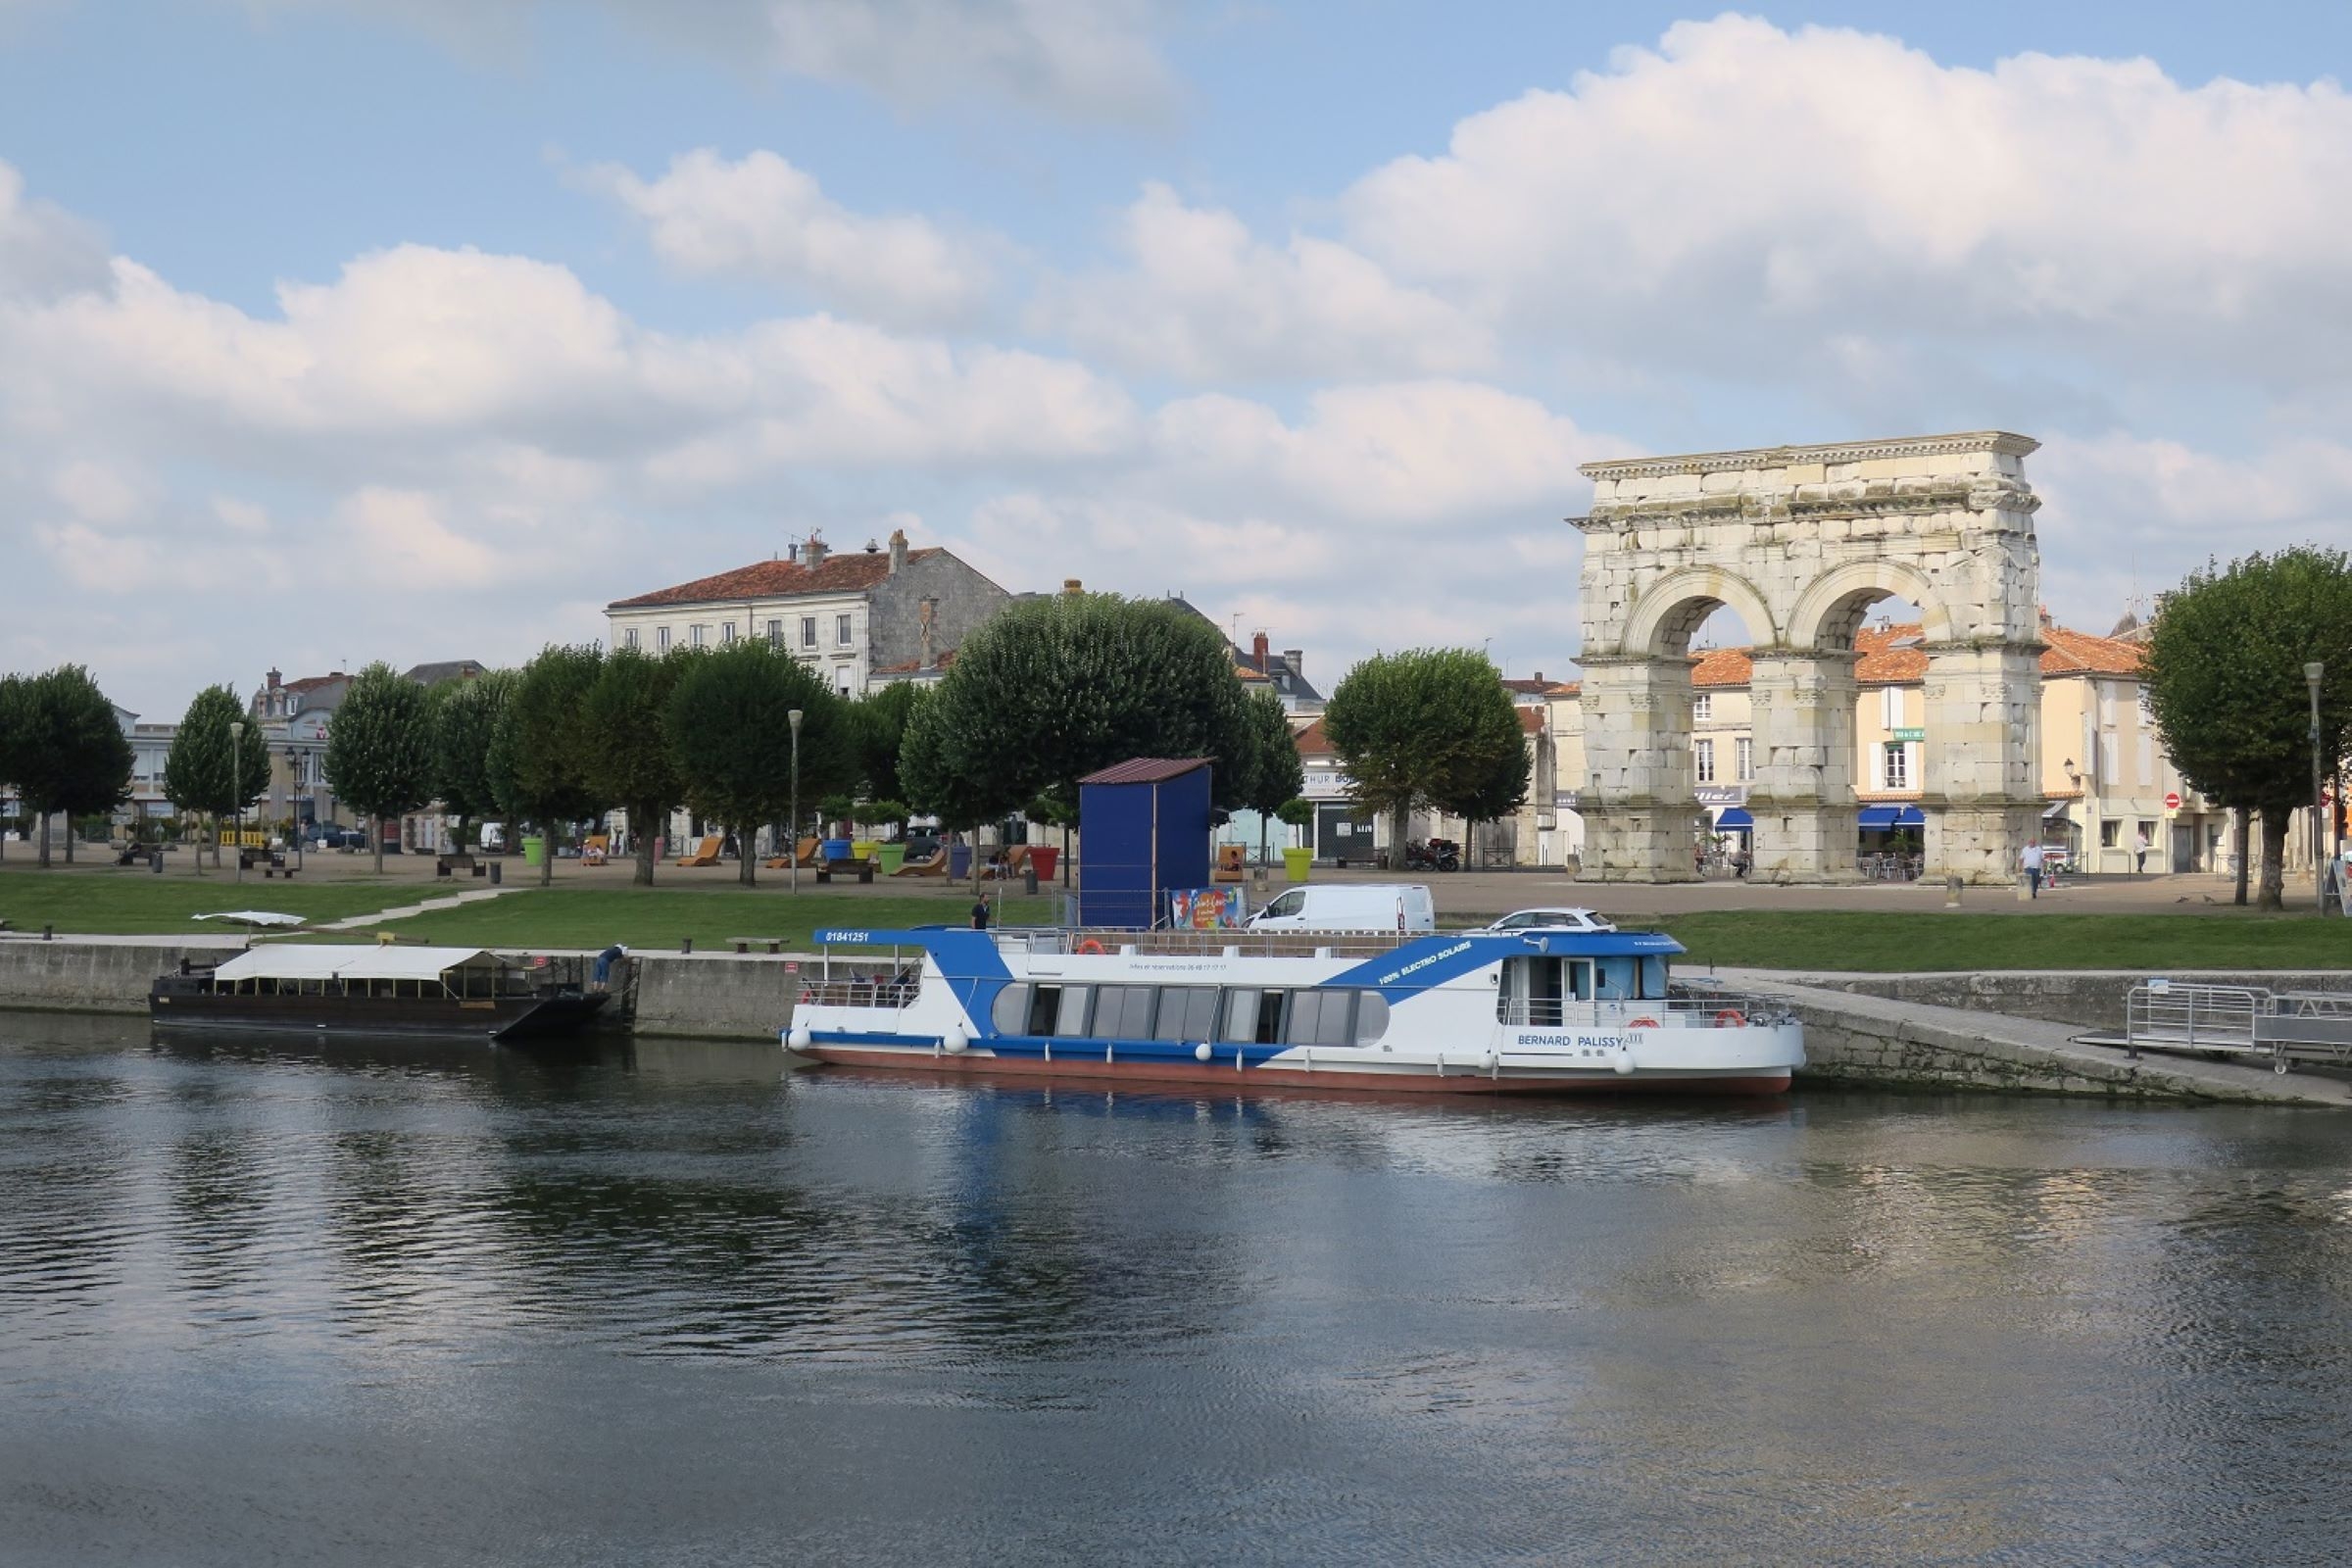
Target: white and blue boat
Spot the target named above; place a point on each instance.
(1544, 1011)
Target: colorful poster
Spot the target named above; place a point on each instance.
(1206, 908)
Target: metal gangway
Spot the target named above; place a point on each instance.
(2289, 1027)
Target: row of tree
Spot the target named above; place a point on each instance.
(63, 747)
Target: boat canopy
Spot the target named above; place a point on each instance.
(343, 961)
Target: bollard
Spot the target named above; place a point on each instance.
(1951, 892)
(47, 932)
(685, 944)
(1029, 879)
(497, 873)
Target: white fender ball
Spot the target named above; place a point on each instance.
(798, 1037)
(955, 1041)
(1490, 1061)
(1202, 1053)
(1623, 1061)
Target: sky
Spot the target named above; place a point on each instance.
(335, 331)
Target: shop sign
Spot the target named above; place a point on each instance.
(1720, 794)
(1912, 733)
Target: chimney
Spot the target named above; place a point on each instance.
(792, 553)
(1071, 585)
(897, 549)
(1257, 651)
(273, 679)
(1297, 660)
(812, 554)
(1538, 677)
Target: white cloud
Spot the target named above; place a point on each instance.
(241, 517)
(400, 537)
(1201, 300)
(44, 250)
(761, 217)
(1741, 188)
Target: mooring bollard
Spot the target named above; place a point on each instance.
(1951, 892)
(497, 873)
(48, 932)
(685, 944)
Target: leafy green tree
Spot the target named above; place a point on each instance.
(208, 769)
(540, 753)
(13, 723)
(380, 748)
(71, 754)
(1053, 688)
(1273, 774)
(1297, 813)
(1430, 726)
(732, 742)
(2225, 680)
(879, 724)
(630, 762)
(465, 716)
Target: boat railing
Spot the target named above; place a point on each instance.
(1711, 1009)
(2201, 1017)
(1059, 940)
(892, 993)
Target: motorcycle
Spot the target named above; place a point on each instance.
(1438, 855)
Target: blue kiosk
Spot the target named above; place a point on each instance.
(1147, 826)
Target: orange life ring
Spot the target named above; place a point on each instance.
(1731, 1018)
(1090, 945)
(1642, 1023)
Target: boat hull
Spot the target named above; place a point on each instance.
(508, 1021)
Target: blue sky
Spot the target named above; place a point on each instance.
(332, 331)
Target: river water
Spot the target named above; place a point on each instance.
(678, 1304)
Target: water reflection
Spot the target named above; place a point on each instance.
(585, 1305)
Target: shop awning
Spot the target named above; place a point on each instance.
(1735, 817)
(1884, 818)
(2057, 811)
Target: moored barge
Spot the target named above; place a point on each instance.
(449, 993)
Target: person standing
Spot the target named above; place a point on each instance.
(2140, 853)
(2031, 860)
(980, 912)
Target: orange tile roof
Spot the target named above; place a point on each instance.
(1312, 742)
(1722, 667)
(1898, 656)
(2078, 653)
(846, 572)
(1531, 720)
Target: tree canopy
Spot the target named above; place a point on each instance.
(1430, 726)
(539, 755)
(380, 748)
(208, 769)
(879, 724)
(466, 716)
(630, 761)
(71, 753)
(1274, 773)
(13, 721)
(731, 739)
(2225, 680)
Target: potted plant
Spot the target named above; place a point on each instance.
(1296, 859)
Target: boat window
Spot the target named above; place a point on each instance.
(1580, 979)
(1045, 1010)
(1371, 1018)
(1073, 1010)
(1241, 1016)
(1012, 1009)
(1123, 1012)
(1187, 1012)
(1321, 1018)
(1617, 980)
(1653, 978)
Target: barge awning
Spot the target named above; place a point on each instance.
(346, 963)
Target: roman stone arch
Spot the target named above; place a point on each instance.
(1802, 541)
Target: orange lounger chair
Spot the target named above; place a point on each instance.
(937, 865)
(705, 853)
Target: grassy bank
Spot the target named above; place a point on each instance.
(656, 918)
(1864, 941)
(126, 903)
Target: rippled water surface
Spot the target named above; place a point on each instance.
(676, 1304)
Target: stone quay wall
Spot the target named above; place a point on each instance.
(2088, 999)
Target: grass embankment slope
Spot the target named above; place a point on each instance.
(126, 903)
(1852, 940)
(658, 918)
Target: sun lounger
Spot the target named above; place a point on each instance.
(937, 865)
(707, 852)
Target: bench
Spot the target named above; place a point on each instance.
(746, 943)
(450, 863)
(862, 871)
(269, 871)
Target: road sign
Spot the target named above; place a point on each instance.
(2172, 801)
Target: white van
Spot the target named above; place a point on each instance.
(1402, 907)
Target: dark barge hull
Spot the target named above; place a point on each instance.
(507, 1019)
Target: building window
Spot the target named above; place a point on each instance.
(1703, 708)
(1898, 766)
(2109, 833)
(628, 637)
(841, 631)
(694, 633)
(1745, 754)
(661, 638)
(841, 680)
(727, 632)
(808, 631)
(775, 634)
(1706, 761)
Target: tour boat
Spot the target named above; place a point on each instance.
(377, 990)
(1544, 1012)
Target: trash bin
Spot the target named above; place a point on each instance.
(1045, 857)
(893, 856)
(1029, 877)
(498, 871)
(960, 861)
(155, 861)
(1295, 863)
(534, 851)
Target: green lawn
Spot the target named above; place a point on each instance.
(114, 903)
(656, 918)
(1859, 940)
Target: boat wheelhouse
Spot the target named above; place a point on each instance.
(1473, 1012)
(371, 989)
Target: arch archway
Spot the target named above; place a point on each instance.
(1675, 605)
(1831, 607)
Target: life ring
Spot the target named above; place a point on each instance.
(806, 997)
(1642, 1023)
(1731, 1018)
(1090, 945)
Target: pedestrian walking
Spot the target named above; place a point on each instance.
(2032, 860)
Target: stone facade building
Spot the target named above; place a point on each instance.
(859, 620)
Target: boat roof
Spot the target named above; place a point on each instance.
(352, 961)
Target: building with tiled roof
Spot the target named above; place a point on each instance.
(1260, 667)
(858, 618)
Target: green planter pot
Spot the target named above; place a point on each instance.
(534, 851)
(892, 856)
(1295, 863)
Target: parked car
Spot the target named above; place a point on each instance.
(921, 843)
(1386, 907)
(1560, 920)
(328, 836)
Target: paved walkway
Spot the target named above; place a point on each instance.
(360, 922)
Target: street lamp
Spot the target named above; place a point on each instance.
(236, 782)
(792, 840)
(294, 800)
(2311, 672)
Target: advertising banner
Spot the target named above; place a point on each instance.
(1206, 908)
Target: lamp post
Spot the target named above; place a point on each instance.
(236, 782)
(792, 840)
(294, 800)
(2312, 673)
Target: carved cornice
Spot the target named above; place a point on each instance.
(1819, 502)
(1917, 446)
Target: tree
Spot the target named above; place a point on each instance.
(209, 770)
(879, 724)
(1430, 726)
(631, 761)
(1274, 773)
(13, 721)
(466, 714)
(539, 754)
(71, 754)
(2225, 680)
(379, 750)
(1053, 688)
(732, 742)
(1297, 814)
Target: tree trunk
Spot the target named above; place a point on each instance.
(643, 876)
(547, 856)
(1401, 818)
(69, 838)
(1066, 854)
(2274, 859)
(747, 858)
(375, 837)
(2239, 894)
(1262, 838)
(44, 841)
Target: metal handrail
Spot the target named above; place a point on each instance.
(892, 993)
(2206, 1017)
(1056, 940)
(1717, 1009)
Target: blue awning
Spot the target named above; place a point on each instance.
(1884, 818)
(1735, 817)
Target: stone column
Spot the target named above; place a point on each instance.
(1637, 806)
(1803, 799)
(1982, 793)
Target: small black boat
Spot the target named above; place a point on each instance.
(451, 993)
